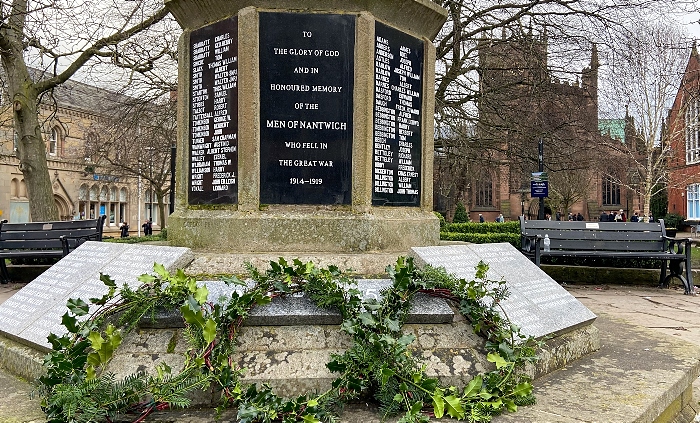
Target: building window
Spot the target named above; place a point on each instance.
(693, 196)
(15, 141)
(692, 132)
(484, 192)
(53, 142)
(611, 192)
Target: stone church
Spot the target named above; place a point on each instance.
(70, 116)
(520, 102)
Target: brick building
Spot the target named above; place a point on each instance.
(684, 134)
(71, 117)
(520, 102)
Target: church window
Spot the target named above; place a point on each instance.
(611, 191)
(484, 192)
(53, 142)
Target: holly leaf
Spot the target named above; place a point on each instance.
(473, 388)
(201, 294)
(438, 404)
(70, 322)
(209, 331)
(497, 359)
(78, 306)
(454, 407)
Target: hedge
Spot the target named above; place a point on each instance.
(482, 238)
(512, 227)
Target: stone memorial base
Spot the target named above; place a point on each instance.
(292, 359)
(303, 230)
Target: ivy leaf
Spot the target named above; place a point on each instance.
(209, 331)
(70, 322)
(497, 359)
(201, 294)
(78, 306)
(454, 407)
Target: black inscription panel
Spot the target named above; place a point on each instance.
(398, 94)
(306, 86)
(214, 114)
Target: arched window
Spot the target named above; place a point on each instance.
(484, 191)
(611, 191)
(53, 142)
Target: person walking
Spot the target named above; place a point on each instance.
(124, 230)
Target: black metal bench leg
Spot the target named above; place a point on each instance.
(663, 280)
(4, 274)
(676, 267)
(690, 288)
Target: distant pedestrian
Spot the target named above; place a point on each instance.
(481, 218)
(635, 217)
(579, 217)
(558, 216)
(124, 230)
(148, 227)
(604, 216)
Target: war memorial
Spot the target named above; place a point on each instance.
(307, 133)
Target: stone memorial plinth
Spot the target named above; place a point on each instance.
(307, 125)
(35, 311)
(537, 303)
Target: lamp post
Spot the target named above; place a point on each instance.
(138, 213)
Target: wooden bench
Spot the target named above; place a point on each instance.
(615, 240)
(44, 239)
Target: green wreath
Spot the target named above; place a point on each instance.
(378, 366)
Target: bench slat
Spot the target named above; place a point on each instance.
(606, 245)
(596, 236)
(42, 234)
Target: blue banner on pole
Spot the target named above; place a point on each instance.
(539, 188)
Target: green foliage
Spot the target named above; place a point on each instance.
(478, 238)
(673, 220)
(440, 217)
(162, 236)
(461, 215)
(658, 204)
(379, 365)
(512, 227)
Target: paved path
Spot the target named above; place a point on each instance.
(667, 311)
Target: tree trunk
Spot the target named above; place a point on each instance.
(31, 149)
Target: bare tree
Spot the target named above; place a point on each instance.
(645, 69)
(511, 113)
(136, 142)
(60, 38)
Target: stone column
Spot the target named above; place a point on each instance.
(292, 143)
